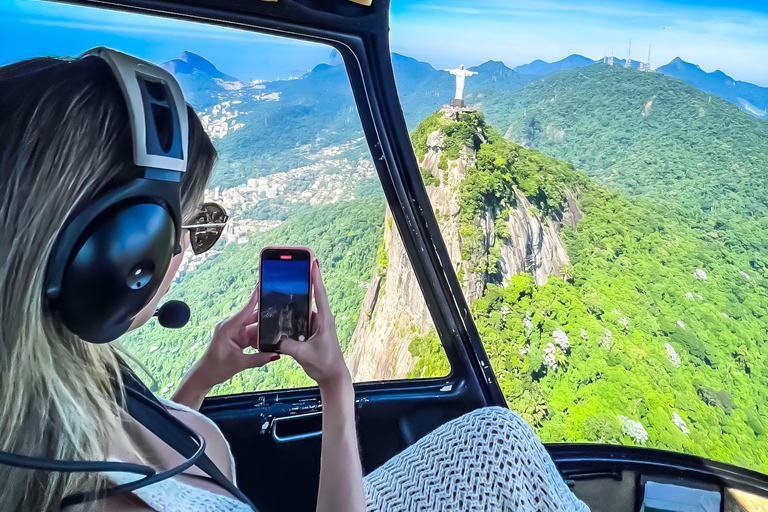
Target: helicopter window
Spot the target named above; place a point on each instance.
(606, 218)
(293, 169)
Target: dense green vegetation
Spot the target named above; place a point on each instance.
(344, 237)
(653, 136)
(432, 361)
(651, 321)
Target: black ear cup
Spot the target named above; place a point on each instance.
(114, 249)
(115, 269)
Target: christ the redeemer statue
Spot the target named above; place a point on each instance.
(460, 74)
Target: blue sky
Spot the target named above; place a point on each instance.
(730, 36)
(29, 28)
(288, 277)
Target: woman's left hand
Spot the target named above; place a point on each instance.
(224, 356)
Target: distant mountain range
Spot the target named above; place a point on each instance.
(203, 83)
(317, 110)
(539, 67)
(749, 97)
(188, 63)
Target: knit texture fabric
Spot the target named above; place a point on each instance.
(486, 460)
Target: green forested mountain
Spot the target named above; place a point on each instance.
(344, 237)
(653, 136)
(643, 133)
(652, 324)
(654, 335)
(750, 98)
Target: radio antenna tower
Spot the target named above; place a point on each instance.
(646, 66)
(608, 60)
(628, 62)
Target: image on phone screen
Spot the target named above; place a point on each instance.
(284, 301)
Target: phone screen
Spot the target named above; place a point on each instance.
(285, 295)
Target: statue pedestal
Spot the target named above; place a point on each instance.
(457, 103)
(454, 111)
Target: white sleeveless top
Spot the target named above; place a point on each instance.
(172, 495)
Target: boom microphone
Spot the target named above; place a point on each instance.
(173, 314)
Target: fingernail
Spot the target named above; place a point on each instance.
(274, 358)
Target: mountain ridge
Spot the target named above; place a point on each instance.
(540, 67)
(748, 97)
(188, 62)
(633, 330)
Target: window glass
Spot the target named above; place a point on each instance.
(293, 169)
(604, 204)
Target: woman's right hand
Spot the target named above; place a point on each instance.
(341, 474)
(320, 355)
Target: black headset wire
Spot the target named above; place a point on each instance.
(135, 398)
(71, 466)
(150, 476)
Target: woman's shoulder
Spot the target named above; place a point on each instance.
(216, 446)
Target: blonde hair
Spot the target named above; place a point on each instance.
(64, 136)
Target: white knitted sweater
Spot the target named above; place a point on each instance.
(487, 460)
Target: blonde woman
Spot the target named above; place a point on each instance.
(64, 137)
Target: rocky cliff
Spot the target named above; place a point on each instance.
(394, 310)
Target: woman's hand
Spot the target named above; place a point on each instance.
(320, 355)
(224, 356)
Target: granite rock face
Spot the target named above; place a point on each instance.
(533, 247)
(394, 310)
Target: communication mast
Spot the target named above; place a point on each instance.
(646, 66)
(608, 60)
(628, 62)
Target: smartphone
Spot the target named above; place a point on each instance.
(285, 297)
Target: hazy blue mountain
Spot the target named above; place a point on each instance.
(749, 97)
(335, 59)
(202, 83)
(539, 67)
(422, 88)
(494, 75)
(188, 63)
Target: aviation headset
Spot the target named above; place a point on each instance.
(112, 254)
(111, 257)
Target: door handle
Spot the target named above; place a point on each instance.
(297, 427)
